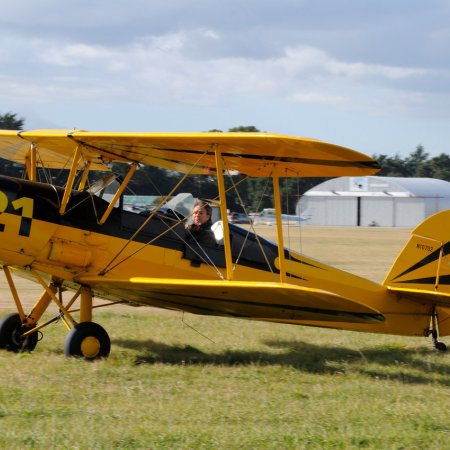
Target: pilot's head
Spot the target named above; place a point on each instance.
(201, 212)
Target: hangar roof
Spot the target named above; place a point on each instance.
(382, 187)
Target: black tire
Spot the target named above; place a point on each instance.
(87, 340)
(440, 347)
(11, 330)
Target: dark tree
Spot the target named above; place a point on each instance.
(437, 167)
(415, 160)
(244, 129)
(9, 121)
(395, 166)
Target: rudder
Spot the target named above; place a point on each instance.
(424, 262)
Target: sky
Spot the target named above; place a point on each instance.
(371, 75)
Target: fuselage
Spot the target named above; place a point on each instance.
(74, 246)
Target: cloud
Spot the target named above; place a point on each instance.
(368, 74)
(160, 62)
(307, 59)
(76, 54)
(318, 97)
(374, 70)
(173, 68)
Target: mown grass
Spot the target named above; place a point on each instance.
(238, 384)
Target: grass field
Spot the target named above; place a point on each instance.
(238, 384)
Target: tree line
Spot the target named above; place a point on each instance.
(244, 194)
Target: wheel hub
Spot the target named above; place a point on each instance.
(90, 347)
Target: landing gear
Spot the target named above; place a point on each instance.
(438, 346)
(11, 335)
(87, 340)
(20, 332)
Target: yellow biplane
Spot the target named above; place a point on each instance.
(70, 240)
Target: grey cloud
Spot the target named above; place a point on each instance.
(207, 51)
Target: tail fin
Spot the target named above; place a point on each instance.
(423, 266)
(422, 270)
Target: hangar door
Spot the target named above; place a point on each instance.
(378, 210)
(341, 211)
(409, 212)
(391, 212)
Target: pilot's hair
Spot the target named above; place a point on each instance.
(205, 205)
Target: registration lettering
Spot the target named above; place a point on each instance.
(425, 247)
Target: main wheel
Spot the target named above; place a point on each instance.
(87, 340)
(11, 330)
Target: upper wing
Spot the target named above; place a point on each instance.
(256, 300)
(254, 154)
(53, 149)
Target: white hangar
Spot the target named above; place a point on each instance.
(374, 201)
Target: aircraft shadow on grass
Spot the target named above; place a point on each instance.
(397, 364)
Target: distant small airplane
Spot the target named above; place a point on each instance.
(268, 216)
(69, 239)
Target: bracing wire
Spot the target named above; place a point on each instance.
(110, 265)
(45, 172)
(234, 186)
(299, 224)
(286, 188)
(91, 195)
(194, 329)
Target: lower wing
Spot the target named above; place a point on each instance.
(255, 300)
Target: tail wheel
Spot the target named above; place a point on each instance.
(440, 347)
(87, 340)
(11, 331)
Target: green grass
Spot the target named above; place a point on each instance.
(237, 385)
(257, 386)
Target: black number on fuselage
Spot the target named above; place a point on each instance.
(23, 203)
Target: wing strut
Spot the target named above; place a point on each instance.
(223, 213)
(70, 180)
(277, 204)
(84, 177)
(30, 162)
(119, 192)
(13, 289)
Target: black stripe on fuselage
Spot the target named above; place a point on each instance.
(431, 281)
(84, 209)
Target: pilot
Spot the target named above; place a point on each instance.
(200, 228)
